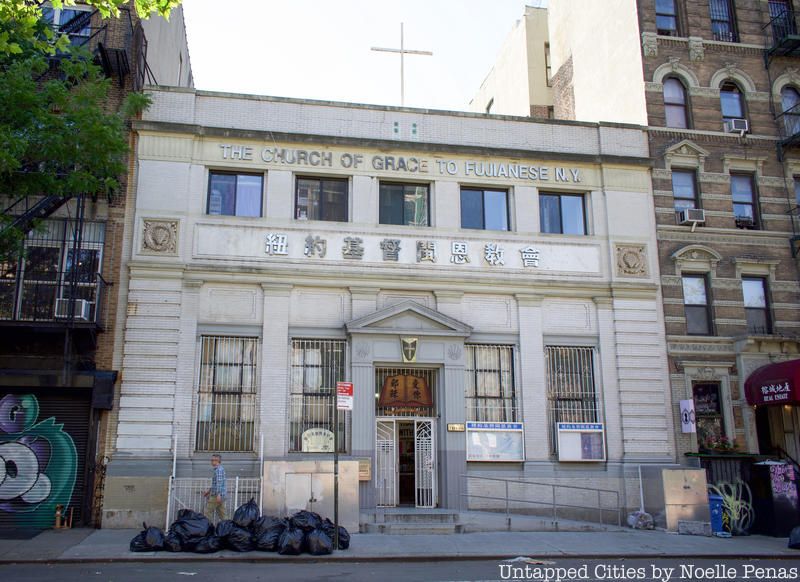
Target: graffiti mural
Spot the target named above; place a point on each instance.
(38, 463)
(737, 501)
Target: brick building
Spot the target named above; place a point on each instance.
(716, 84)
(59, 299)
(720, 86)
(717, 88)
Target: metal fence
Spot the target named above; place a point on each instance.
(187, 493)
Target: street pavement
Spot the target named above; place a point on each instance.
(552, 570)
(110, 545)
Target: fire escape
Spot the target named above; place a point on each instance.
(783, 41)
(55, 285)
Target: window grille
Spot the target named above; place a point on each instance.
(227, 403)
(316, 367)
(571, 391)
(490, 391)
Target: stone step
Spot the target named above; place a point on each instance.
(418, 517)
(412, 528)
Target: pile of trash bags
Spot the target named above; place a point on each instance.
(305, 531)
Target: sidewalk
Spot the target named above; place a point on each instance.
(109, 545)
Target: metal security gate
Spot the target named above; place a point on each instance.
(386, 462)
(424, 463)
(45, 439)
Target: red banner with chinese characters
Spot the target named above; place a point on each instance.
(405, 391)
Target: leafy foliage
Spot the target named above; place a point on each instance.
(57, 133)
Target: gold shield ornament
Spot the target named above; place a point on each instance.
(408, 347)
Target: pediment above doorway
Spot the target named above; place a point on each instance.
(409, 317)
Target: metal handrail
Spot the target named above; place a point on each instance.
(552, 503)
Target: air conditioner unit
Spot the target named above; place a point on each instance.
(691, 216)
(737, 126)
(83, 308)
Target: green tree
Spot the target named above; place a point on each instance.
(57, 136)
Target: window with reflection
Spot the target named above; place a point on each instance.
(406, 204)
(321, 199)
(756, 308)
(484, 209)
(744, 206)
(790, 105)
(696, 306)
(723, 23)
(666, 17)
(675, 109)
(233, 194)
(684, 189)
(731, 102)
(562, 213)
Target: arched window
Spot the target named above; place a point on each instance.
(675, 103)
(790, 104)
(732, 101)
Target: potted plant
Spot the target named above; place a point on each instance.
(715, 443)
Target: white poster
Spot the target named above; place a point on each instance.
(495, 441)
(688, 424)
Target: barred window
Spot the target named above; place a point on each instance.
(490, 390)
(571, 392)
(227, 394)
(316, 366)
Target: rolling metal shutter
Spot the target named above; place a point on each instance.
(45, 438)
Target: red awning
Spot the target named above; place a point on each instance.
(774, 384)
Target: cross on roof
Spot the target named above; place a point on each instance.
(403, 52)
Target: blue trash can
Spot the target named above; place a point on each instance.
(715, 505)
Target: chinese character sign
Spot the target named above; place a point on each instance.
(391, 249)
(405, 390)
(459, 253)
(277, 244)
(530, 257)
(353, 248)
(426, 251)
(494, 254)
(315, 245)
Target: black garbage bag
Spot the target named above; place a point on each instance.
(291, 542)
(223, 528)
(151, 539)
(154, 537)
(269, 540)
(138, 544)
(344, 537)
(246, 514)
(794, 538)
(306, 520)
(172, 543)
(191, 526)
(239, 540)
(318, 542)
(208, 545)
(266, 522)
